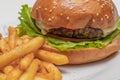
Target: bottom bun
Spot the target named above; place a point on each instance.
(88, 54)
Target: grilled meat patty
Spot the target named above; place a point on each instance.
(83, 33)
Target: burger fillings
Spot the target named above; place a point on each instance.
(84, 25)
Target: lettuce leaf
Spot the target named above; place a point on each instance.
(27, 26)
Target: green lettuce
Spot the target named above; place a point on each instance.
(27, 26)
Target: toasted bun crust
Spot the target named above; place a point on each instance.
(88, 54)
(75, 14)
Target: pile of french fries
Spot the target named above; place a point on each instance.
(21, 58)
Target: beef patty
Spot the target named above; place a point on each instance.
(83, 33)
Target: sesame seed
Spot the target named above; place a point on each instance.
(54, 2)
(83, 10)
(49, 19)
(98, 0)
(106, 16)
(45, 9)
(54, 7)
(68, 18)
(39, 7)
(50, 10)
(102, 19)
(97, 14)
(86, 1)
(52, 17)
(93, 20)
(102, 6)
(112, 12)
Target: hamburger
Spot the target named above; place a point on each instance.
(83, 30)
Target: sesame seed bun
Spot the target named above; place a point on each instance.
(88, 54)
(75, 14)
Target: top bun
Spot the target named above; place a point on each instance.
(76, 14)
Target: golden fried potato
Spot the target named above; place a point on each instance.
(44, 73)
(26, 37)
(4, 47)
(14, 74)
(15, 62)
(31, 71)
(51, 73)
(3, 76)
(20, 51)
(38, 77)
(26, 40)
(8, 69)
(47, 76)
(26, 61)
(42, 69)
(19, 42)
(6, 39)
(12, 37)
(55, 58)
(53, 70)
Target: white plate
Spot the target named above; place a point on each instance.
(107, 69)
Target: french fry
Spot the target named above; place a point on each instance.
(47, 76)
(26, 37)
(42, 70)
(19, 42)
(52, 57)
(54, 70)
(44, 73)
(17, 30)
(6, 39)
(15, 62)
(14, 74)
(25, 62)
(22, 40)
(37, 77)
(4, 46)
(31, 71)
(3, 76)
(12, 37)
(20, 51)
(26, 40)
(8, 69)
